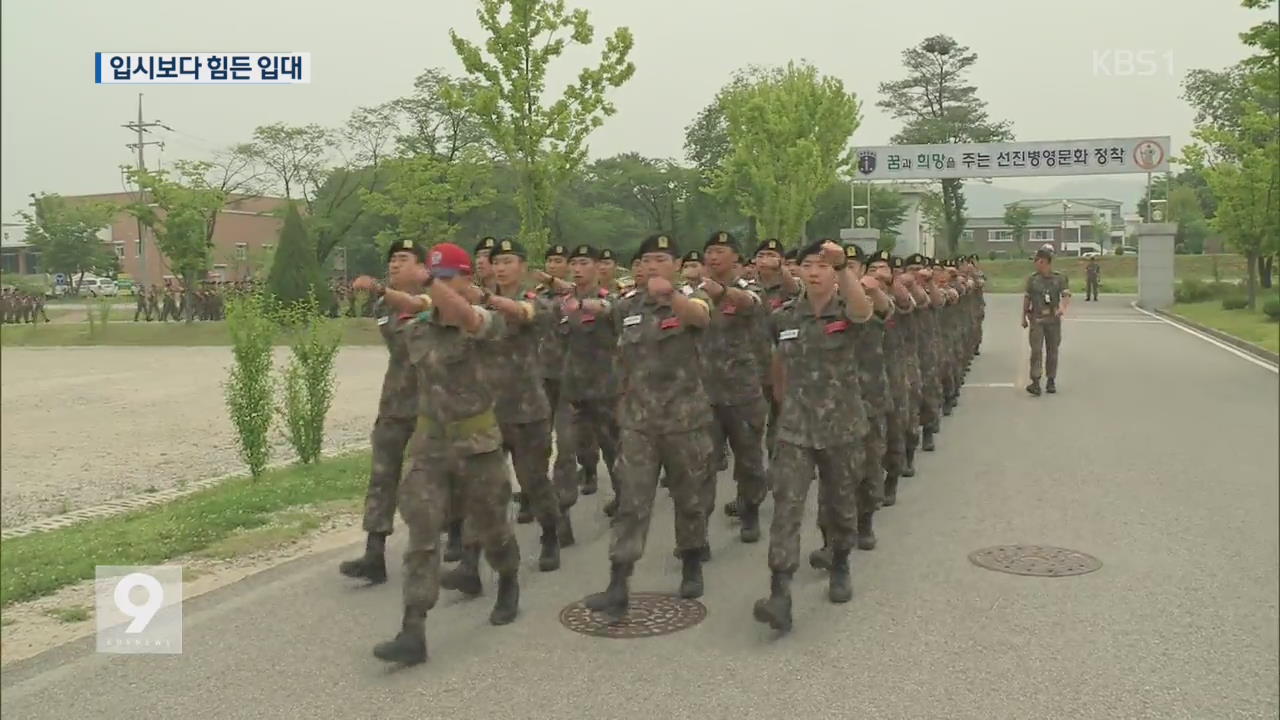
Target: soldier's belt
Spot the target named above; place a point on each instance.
(458, 429)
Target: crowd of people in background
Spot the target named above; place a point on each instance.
(169, 301)
(19, 306)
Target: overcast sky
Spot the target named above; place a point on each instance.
(62, 133)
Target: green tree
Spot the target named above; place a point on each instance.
(181, 210)
(1183, 207)
(1018, 217)
(835, 211)
(940, 106)
(652, 190)
(295, 273)
(789, 134)
(67, 235)
(542, 142)
(426, 196)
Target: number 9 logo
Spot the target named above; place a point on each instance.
(141, 614)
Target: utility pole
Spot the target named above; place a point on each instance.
(141, 127)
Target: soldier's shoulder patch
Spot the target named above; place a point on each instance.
(531, 295)
(630, 293)
(743, 283)
(603, 292)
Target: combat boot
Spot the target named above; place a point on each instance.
(866, 535)
(731, 508)
(525, 515)
(946, 407)
(613, 602)
(550, 558)
(565, 529)
(910, 469)
(465, 578)
(587, 479)
(691, 574)
(750, 516)
(820, 559)
(409, 647)
(507, 605)
(926, 443)
(890, 491)
(611, 507)
(1034, 387)
(776, 609)
(371, 566)
(453, 548)
(1050, 387)
(839, 584)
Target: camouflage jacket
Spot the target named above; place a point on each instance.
(399, 397)
(817, 356)
(733, 372)
(590, 349)
(1046, 295)
(513, 367)
(661, 372)
(551, 345)
(455, 403)
(873, 378)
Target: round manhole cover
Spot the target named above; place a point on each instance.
(1037, 560)
(649, 614)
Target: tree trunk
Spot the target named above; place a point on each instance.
(188, 298)
(1264, 271)
(1252, 259)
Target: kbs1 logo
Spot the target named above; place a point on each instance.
(139, 609)
(1132, 63)
(229, 68)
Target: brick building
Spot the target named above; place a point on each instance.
(1067, 225)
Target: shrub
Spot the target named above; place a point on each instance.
(249, 385)
(1235, 302)
(1272, 308)
(1192, 290)
(309, 379)
(295, 272)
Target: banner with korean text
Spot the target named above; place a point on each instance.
(1108, 156)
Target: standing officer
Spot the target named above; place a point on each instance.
(664, 417)
(397, 416)
(1045, 301)
(822, 425)
(733, 379)
(1092, 278)
(457, 442)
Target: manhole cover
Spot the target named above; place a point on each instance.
(1038, 560)
(649, 614)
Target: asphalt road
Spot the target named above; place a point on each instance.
(1158, 456)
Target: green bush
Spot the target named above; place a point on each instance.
(250, 382)
(1192, 290)
(1272, 308)
(309, 379)
(1235, 302)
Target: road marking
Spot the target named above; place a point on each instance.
(1115, 320)
(990, 385)
(1238, 353)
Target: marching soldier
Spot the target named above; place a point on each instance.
(820, 427)
(904, 373)
(397, 416)
(608, 271)
(691, 269)
(664, 415)
(458, 442)
(140, 297)
(928, 300)
(1044, 302)
(153, 303)
(484, 268)
(551, 354)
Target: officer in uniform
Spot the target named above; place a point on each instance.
(397, 416)
(1092, 279)
(457, 442)
(664, 417)
(823, 422)
(1044, 302)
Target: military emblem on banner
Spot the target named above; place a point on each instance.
(866, 161)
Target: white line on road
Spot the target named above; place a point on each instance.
(1239, 353)
(989, 385)
(1115, 320)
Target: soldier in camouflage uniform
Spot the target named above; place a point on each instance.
(397, 417)
(608, 265)
(484, 268)
(898, 349)
(457, 442)
(823, 422)
(590, 382)
(153, 303)
(664, 415)
(1044, 302)
(691, 268)
(928, 300)
(733, 378)
(551, 291)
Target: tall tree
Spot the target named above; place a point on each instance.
(789, 135)
(295, 273)
(1018, 217)
(938, 105)
(427, 195)
(181, 209)
(436, 117)
(67, 235)
(542, 142)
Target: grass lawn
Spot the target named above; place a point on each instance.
(1251, 326)
(207, 522)
(355, 331)
(1119, 273)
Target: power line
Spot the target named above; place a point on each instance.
(143, 128)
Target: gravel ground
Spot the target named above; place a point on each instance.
(82, 426)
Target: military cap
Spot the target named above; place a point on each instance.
(770, 244)
(813, 248)
(1044, 253)
(692, 256)
(486, 243)
(916, 259)
(659, 243)
(721, 237)
(880, 256)
(855, 253)
(789, 255)
(584, 251)
(407, 245)
(557, 250)
(896, 262)
(507, 246)
(606, 254)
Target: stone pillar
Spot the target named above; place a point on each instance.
(1155, 264)
(865, 238)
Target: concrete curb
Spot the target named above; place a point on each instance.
(1243, 345)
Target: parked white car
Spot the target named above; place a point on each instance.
(98, 287)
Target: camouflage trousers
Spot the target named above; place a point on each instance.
(530, 448)
(790, 475)
(771, 432)
(742, 426)
(686, 457)
(596, 421)
(869, 473)
(1045, 338)
(930, 393)
(896, 423)
(914, 400)
(387, 443)
(483, 489)
(564, 471)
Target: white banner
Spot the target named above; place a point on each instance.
(1107, 156)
